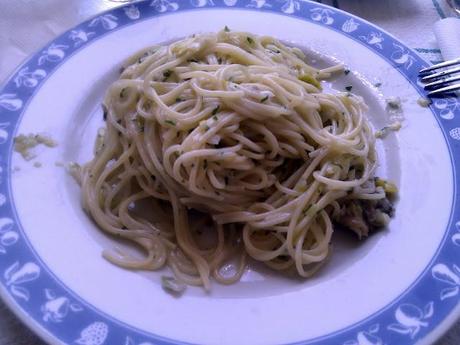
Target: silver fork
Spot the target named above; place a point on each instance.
(441, 80)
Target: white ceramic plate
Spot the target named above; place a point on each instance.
(399, 286)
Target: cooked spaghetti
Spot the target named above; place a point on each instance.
(231, 132)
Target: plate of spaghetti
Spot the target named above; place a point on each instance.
(228, 172)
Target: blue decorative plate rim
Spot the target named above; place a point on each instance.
(58, 315)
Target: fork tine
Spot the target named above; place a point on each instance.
(439, 65)
(441, 82)
(440, 74)
(444, 90)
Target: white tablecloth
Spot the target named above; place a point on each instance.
(27, 25)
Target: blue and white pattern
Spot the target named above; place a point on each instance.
(33, 287)
(10, 101)
(367, 337)
(56, 308)
(54, 53)
(80, 37)
(374, 39)
(29, 78)
(411, 319)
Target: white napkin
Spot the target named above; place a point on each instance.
(447, 32)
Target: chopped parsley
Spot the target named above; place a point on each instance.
(264, 99)
(206, 128)
(172, 285)
(250, 40)
(226, 29)
(170, 122)
(123, 93)
(167, 74)
(215, 118)
(215, 110)
(147, 105)
(348, 88)
(394, 104)
(104, 112)
(140, 122)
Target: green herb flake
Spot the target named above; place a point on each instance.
(167, 73)
(348, 88)
(123, 93)
(206, 128)
(170, 122)
(226, 29)
(147, 105)
(104, 112)
(250, 40)
(264, 99)
(215, 110)
(394, 104)
(215, 118)
(172, 285)
(140, 122)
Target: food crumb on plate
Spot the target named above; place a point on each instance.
(382, 133)
(24, 143)
(424, 102)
